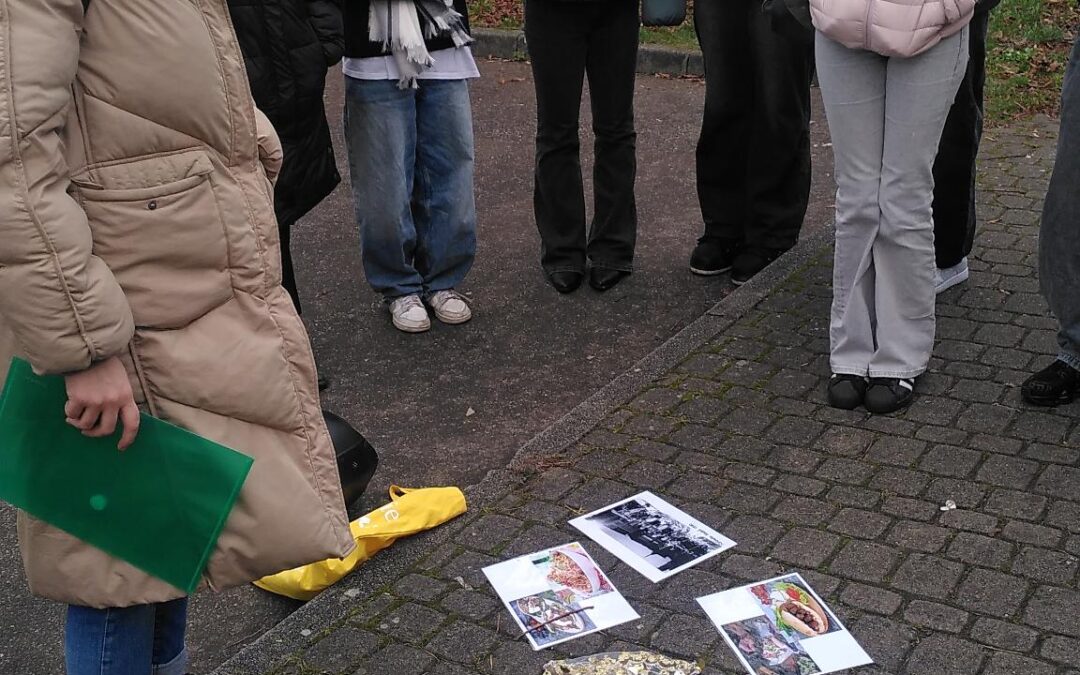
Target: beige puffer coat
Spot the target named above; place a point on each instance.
(136, 220)
(890, 27)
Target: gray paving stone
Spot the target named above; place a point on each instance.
(977, 549)
(1014, 664)
(1047, 607)
(1004, 635)
(411, 623)
(805, 547)
(944, 655)
(1046, 566)
(463, 642)
(803, 511)
(1029, 533)
(888, 642)
(928, 576)
(865, 561)
(749, 473)
(1008, 472)
(915, 509)
(651, 475)
(871, 599)
(653, 450)
(898, 481)
(1060, 482)
(420, 587)
(342, 650)
(845, 441)
(947, 460)
(936, 616)
(604, 462)
(980, 417)
(993, 593)
(845, 471)
(918, 536)
(470, 604)
(973, 521)
(754, 534)
(397, 658)
(1065, 515)
(801, 485)
(896, 451)
(1023, 505)
(854, 496)
(1061, 650)
(683, 636)
(859, 523)
(1053, 454)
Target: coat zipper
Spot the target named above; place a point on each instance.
(867, 25)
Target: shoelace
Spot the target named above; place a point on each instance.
(442, 297)
(409, 302)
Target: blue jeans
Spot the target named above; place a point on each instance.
(1059, 250)
(139, 640)
(411, 160)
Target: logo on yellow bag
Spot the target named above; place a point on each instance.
(409, 512)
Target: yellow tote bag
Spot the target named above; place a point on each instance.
(409, 512)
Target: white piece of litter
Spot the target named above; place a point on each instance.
(950, 505)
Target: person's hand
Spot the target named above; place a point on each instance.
(98, 397)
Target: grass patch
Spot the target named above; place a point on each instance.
(1027, 49)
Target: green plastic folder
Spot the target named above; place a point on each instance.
(159, 505)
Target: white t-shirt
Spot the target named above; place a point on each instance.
(455, 63)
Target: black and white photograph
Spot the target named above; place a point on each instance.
(652, 536)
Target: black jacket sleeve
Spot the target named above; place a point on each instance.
(327, 22)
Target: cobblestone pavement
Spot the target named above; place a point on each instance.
(738, 434)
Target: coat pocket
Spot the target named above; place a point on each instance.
(156, 223)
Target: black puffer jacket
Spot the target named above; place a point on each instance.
(288, 46)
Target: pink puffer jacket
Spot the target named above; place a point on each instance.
(890, 27)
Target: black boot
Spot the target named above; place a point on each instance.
(601, 279)
(1055, 384)
(565, 281)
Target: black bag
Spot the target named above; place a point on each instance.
(663, 12)
(356, 459)
(790, 18)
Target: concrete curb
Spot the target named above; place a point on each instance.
(334, 605)
(652, 59)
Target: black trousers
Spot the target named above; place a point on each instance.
(567, 40)
(954, 169)
(288, 276)
(753, 156)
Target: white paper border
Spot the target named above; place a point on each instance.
(632, 559)
(740, 606)
(517, 578)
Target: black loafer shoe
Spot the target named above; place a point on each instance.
(888, 394)
(752, 260)
(601, 279)
(566, 281)
(713, 256)
(1056, 384)
(846, 391)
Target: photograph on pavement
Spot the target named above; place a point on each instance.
(652, 536)
(782, 627)
(558, 594)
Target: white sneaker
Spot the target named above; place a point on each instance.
(409, 314)
(450, 307)
(944, 279)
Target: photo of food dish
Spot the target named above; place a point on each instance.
(551, 616)
(765, 651)
(571, 568)
(793, 609)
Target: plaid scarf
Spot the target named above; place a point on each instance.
(402, 26)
